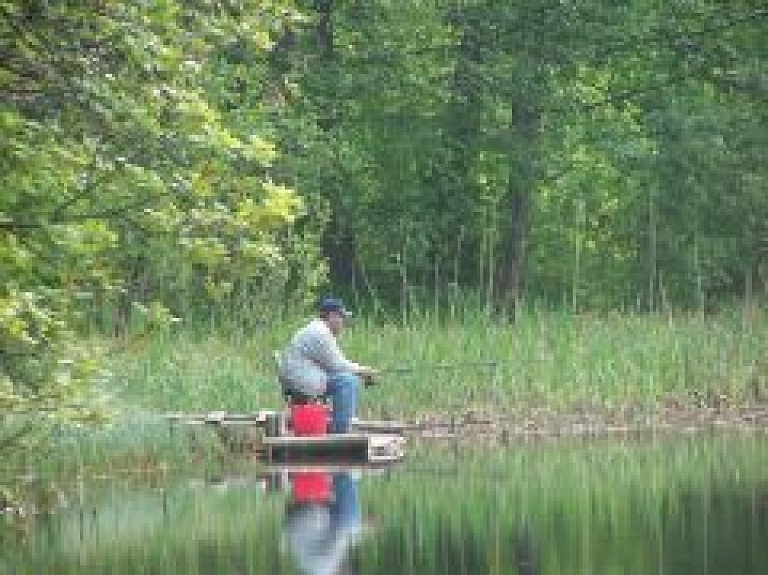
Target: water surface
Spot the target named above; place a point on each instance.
(675, 506)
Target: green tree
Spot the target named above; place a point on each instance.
(588, 152)
(126, 168)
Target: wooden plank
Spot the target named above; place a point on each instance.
(385, 427)
(372, 448)
(359, 467)
(385, 447)
(335, 440)
(259, 418)
(219, 417)
(339, 439)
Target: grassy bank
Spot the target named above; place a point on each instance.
(557, 360)
(550, 366)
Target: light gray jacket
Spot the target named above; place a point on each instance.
(310, 358)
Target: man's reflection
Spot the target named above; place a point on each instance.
(323, 520)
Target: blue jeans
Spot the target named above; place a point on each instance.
(343, 387)
(345, 509)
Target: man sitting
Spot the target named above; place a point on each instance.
(313, 364)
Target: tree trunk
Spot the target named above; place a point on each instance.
(511, 276)
(324, 29)
(339, 246)
(339, 242)
(510, 282)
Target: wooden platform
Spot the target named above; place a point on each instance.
(259, 419)
(370, 442)
(362, 447)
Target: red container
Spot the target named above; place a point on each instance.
(309, 419)
(312, 487)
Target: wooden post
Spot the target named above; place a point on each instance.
(274, 424)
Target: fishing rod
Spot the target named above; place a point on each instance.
(436, 366)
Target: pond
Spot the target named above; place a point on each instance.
(670, 505)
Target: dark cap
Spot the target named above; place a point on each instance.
(332, 304)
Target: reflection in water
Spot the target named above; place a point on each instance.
(323, 520)
(526, 553)
(676, 508)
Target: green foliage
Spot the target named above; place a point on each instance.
(600, 154)
(126, 177)
(211, 161)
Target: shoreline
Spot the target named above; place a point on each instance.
(545, 423)
(479, 425)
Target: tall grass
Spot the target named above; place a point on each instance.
(557, 361)
(548, 359)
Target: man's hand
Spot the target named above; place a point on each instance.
(368, 375)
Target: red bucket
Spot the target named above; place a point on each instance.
(312, 486)
(309, 419)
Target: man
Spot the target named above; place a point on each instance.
(313, 364)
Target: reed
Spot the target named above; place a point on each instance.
(547, 359)
(554, 360)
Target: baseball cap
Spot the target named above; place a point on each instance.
(330, 304)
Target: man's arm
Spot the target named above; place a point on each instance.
(327, 354)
